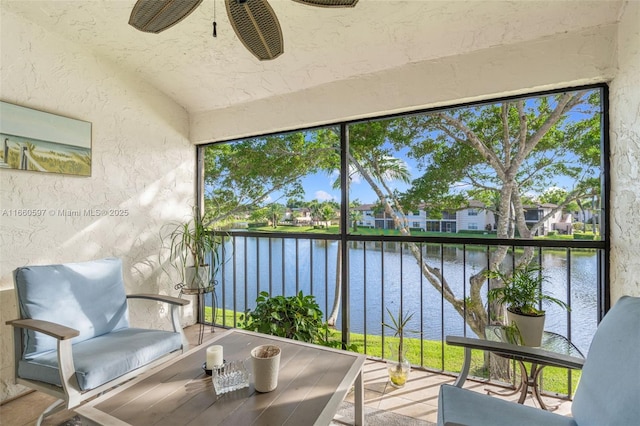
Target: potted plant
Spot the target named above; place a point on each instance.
(191, 245)
(522, 293)
(295, 317)
(398, 365)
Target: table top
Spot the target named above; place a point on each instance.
(313, 381)
(551, 341)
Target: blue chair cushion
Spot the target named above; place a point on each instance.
(104, 358)
(462, 406)
(609, 389)
(87, 296)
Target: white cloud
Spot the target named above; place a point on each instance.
(323, 196)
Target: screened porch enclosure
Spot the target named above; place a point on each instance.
(408, 213)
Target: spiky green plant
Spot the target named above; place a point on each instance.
(398, 326)
(522, 291)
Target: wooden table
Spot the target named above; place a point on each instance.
(312, 382)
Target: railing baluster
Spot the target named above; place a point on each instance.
(442, 332)
(270, 266)
(311, 267)
(235, 280)
(382, 296)
(421, 308)
(283, 268)
(257, 267)
(569, 372)
(464, 290)
(297, 267)
(246, 273)
(326, 279)
(364, 287)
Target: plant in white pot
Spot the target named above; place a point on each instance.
(193, 251)
(522, 294)
(398, 366)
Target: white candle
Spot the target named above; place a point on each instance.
(214, 356)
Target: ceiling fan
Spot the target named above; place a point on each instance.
(254, 21)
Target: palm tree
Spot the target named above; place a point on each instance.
(326, 213)
(355, 215)
(276, 211)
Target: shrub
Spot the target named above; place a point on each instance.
(297, 317)
(581, 236)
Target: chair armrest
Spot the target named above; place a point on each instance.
(160, 298)
(52, 329)
(175, 303)
(519, 353)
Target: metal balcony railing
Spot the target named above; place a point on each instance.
(382, 272)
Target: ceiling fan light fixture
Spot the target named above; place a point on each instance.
(155, 16)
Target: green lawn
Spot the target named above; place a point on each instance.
(555, 379)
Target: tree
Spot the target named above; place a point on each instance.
(276, 211)
(559, 196)
(509, 149)
(504, 151)
(355, 215)
(244, 175)
(259, 215)
(326, 213)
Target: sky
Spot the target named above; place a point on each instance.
(319, 186)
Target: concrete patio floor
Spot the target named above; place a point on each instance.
(418, 399)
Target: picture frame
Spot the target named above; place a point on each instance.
(39, 141)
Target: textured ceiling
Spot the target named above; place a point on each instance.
(321, 45)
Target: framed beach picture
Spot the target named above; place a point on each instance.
(43, 142)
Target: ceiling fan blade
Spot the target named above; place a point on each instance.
(257, 26)
(329, 3)
(154, 16)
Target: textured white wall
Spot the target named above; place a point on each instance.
(143, 163)
(625, 158)
(566, 59)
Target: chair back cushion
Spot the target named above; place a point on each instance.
(609, 388)
(87, 296)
